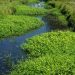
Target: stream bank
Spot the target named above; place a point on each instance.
(10, 47)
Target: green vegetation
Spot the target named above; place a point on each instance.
(50, 43)
(18, 8)
(29, 1)
(13, 20)
(51, 53)
(21, 10)
(7, 7)
(66, 8)
(16, 25)
(27, 10)
(22, 1)
(47, 65)
(6, 1)
(56, 51)
(56, 19)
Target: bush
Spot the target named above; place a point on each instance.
(27, 10)
(50, 43)
(16, 25)
(46, 65)
(57, 20)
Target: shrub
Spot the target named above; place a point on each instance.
(12, 25)
(56, 19)
(27, 10)
(46, 65)
(50, 43)
(66, 8)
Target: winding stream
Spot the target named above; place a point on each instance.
(10, 47)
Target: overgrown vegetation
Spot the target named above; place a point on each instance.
(27, 10)
(51, 53)
(56, 19)
(17, 25)
(50, 43)
(66, 8)
(18, 8)
(47, 65)
(55, 52)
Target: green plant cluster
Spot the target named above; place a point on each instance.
(51, 53)
(12, 25)
(46, 65)
(50, 43)
(27, 10)
(7, 7)
(56, 19)
(66, 8)
(29, 1)
(18, 8)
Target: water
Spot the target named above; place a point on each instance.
(10, 47)
(38, 5)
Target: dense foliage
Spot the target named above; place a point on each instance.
(46, 65)
(17, 25)
(18, 8)
(27, 10)
(56, 55)
(50, 43)
(66, 8)
(56, 19)
(51, 53)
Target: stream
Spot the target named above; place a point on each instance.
(10, 47)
